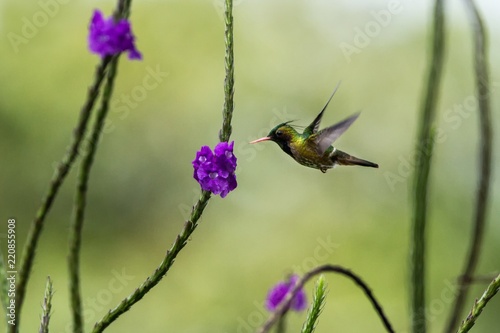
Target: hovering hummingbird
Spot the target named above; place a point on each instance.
(313, 148)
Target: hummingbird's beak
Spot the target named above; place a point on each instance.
(266, 138)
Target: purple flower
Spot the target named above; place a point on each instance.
(277, 294)
(215, 170)
(107, 37)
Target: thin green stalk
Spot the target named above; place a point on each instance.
(285, 305)
(425, 142)
(228, 108)
(75, 235)
(479, 305)
(122, 9)
(281, 325)
(486, 141)
(46, 307)
(162, 269)
(28, 253)
(62, 171)
(198, 208)
(316, 306)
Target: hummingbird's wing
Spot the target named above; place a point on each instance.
(327, 136)
(314, 126)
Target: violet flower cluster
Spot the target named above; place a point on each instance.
(107, 37)
(215, 170)
(278, 293)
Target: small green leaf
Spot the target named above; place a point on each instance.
(46, 307)
(316, 306)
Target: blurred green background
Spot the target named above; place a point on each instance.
(283, 217)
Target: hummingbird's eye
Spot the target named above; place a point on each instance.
(279, 133)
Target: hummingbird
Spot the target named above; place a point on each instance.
(313, 148)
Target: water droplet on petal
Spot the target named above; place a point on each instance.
(229, 154)
(213, 175)
(202, 159)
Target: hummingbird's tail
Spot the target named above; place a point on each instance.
(341, 158)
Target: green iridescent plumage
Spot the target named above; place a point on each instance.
(313, 148)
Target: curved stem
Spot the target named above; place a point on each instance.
(479, 305)
(162, 269)
(285, 305)
(486, 139)
(425, 143)
(62, 171)
(199, 207)
(75, 236)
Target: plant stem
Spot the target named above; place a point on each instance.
(425, 144)
(316, 306)
(162, 269)
(281, 325)
(198, 208)
(479, 305)
(46, 307)
(486, 139)
(122, 10)
(75, 236)
(228, 108)
(285, 305)
(62, 171)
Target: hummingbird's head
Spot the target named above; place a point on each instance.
(281, 134)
